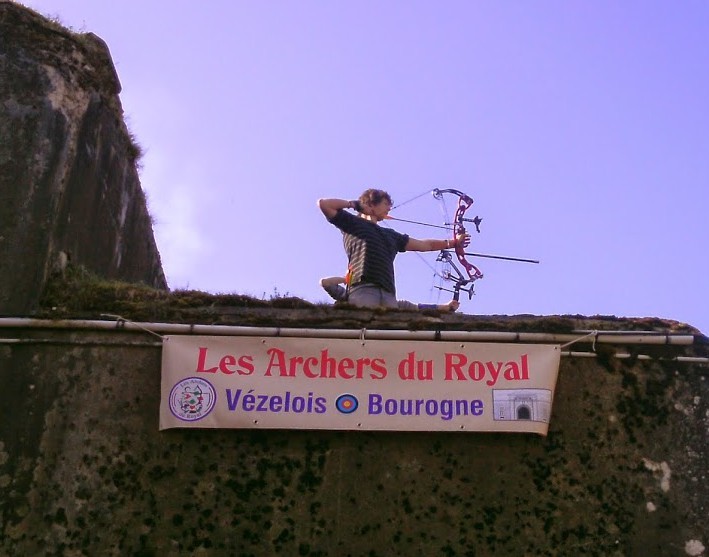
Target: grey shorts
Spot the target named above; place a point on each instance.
(336, 291)
(371, 296)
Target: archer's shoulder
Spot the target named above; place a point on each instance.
(393, 233)
(340, 216)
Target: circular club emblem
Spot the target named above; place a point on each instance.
(346, 404)
(192, 399)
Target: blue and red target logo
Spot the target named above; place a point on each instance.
(347, 403)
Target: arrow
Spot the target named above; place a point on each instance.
(506, 258)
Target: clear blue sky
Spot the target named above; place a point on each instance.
(581, 129)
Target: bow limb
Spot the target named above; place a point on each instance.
(465, 202)
(463, 197)
(473, 272)
(458, 279)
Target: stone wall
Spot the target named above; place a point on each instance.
(85, 471)
(69, 186)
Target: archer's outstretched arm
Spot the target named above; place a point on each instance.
(435, 245)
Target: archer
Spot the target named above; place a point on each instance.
(371, 249)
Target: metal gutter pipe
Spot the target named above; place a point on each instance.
(159, 329)
(625, 356)
(158, 344)
(565, 340)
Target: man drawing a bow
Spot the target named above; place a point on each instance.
(371, 248)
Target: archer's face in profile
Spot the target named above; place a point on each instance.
(379, 211)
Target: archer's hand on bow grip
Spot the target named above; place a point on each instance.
(462, 240)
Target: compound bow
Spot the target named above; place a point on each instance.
(454, 274)
(462, 281)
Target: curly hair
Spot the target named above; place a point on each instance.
(373, 197)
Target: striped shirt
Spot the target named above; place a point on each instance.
(370, 249)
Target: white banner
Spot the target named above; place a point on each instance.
(315, 383)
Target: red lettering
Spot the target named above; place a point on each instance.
(277, 361)
(454, 363)
(361, 364)
(294, 361)
(327, 365)
(306, 367)
(312, 367)
(226, 363)
(406, 366)
(345, 365)
(525, 367)
(247, 363)
(477, 370)
(379, 370)
(201, 361)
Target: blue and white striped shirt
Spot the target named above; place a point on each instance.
(370, 249)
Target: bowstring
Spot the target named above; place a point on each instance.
(443, 265)
(427, 192)
(438, 269)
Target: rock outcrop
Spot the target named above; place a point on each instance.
(68, 175)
